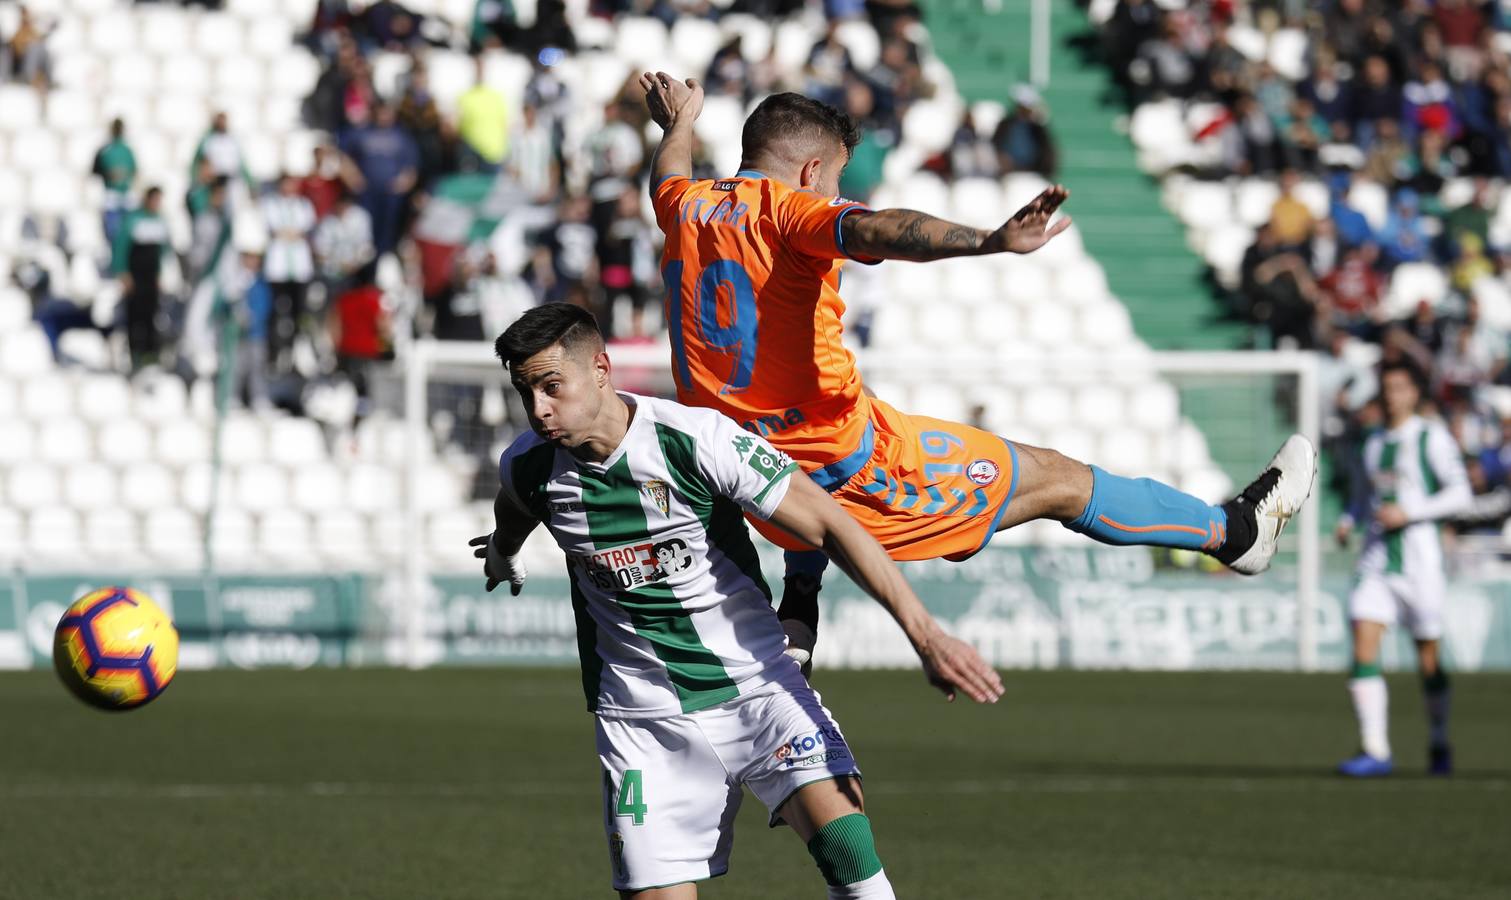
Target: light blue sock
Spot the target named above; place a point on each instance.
(1128, 511)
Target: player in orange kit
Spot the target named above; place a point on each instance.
(752, 265)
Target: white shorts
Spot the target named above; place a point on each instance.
(1416, 601)
(672, 786)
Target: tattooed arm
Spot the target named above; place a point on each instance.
(920, 237)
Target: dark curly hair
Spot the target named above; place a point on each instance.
(785, 122)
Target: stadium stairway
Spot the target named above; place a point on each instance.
(1117, 208)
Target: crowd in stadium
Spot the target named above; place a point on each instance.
(1408, 97)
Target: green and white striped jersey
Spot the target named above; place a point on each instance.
(1419, 468)
(672, 612)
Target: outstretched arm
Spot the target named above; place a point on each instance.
(500, 550)
(812, 516)
(920, 237)
(674, 105)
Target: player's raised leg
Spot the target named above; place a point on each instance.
(1366, 687)
(1437, 693)
(1243, 532)
(830, 817)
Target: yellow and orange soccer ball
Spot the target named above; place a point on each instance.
(115, 648)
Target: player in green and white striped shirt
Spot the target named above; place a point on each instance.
(1417, 479)
(682, 654)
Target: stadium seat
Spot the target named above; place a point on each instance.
(113, 32)
(1287, 53)
(187, 73)
(182, 442)
(231, 542)
(194, 487)
(1371, 200)
(373, 489)
(125, 442)
(994, 324)
(1154, 406)
(892, 328)
(53, 538)
(448, 533)
(269, 37)
(1412, 283)
(165, 32)
(640, 41)
(694, 42)
(318, 487)
(1045, 407)
(968, 281)
(12, 537)
(15, 313)
(112, 536)
(930, 124)
(926, 192)
(860, 38)
(987, 115)
(161, 400)
(32, 486)
(939, 400)
(243, 439)
(1098, 403)
(47, 397)
(296, 442)
(25, 352)
(146, 486)
(605, 74)
(1081, 285)
(1124, 451)
(1248, 40)
(1206, 205)
(341, 536)
(102, 398)
(261, 487)
(64, 441)
(1050, 326)
(1224, 250)
(942, 325)
(1207, 483)
(173, 538)
(976, 202)
(1315, 196)
(1025, 283)
(69, 111)
(284, 538)
(54, 191)
(217, 35)
(20, 437)
(294, 75)
(20, 110)
(1254, 199)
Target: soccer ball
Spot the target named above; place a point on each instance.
(115, 648)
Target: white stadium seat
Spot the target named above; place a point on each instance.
(892, 328)
(318, 487)
(70, 110)
(113, 32)
(12, 537)
(173, 537)
(1412, 283)
(33, 485)
(54, 191)
(146, 486)
(218, 35)
(102, 398)
(448, 533)
(942, 325)
(1051, 326)
(640, 41)
(1254, 199)
(860, 38)
(939, 400)
(1098, 404)
(161, 400)
(1371, 200)
(296, 442)
(243, 439)
(20, 438)
(295, 75)
(64, 441)
(1045, 408)
(261, 487)
(270, 37)
(1154, 406)
(1106, 326)
(25, 352)
(165, 32)
(54, 538)
(373, 489)
(112, 536)
(20, 110)
(1025, 283)
(125, 442)
(930, 124)
(283, 537)
(182, 442)
(231, 539)
(341, 536)
(1081, 285)
(48, 397)
(186, 73)
(694, 42)
(1124, 451)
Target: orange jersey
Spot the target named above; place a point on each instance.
(752, 272)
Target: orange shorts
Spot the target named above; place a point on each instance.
(927, 488)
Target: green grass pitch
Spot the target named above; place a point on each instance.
(484, 784)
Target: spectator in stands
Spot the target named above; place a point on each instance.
(828, 64)
(434, 136)
(1328, 90)
(1290, 219)
(1022, 140)
(1250, 144)
(1277, 290)
(1461, 24)
(728, 72)
(288, 266)
(209, 231)
(325, 108)
(1425, 327)
(253, 309)
(24, 56)
(615, 152)
(1389, 157)
(565, 260)
(1323, 249)
(482, 125)
(362, 334)
(1164, 67)
(627, 262)
(532, 157)
(115, 165)
(221, 151)
(864, 171)
(1226, 68)
(1404, 238)
(53, 313)
(1351, 293)
(1485, 340)
(548, 93)
(323, 186)
(140, 246)
(1429, 104)
(388, 160)
(1133, 23)
(1376, 99)
(1353, 229)
(344, 245)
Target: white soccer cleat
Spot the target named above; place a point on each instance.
(800, 642)
(1272, 499)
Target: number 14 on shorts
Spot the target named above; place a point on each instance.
(631, 800)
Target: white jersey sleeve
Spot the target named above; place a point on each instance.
(1446, 464)
(745, 468)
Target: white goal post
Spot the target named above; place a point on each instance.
(1285, 379)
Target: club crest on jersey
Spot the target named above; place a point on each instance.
(983, 472)
(660, 494)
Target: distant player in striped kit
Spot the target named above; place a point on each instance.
(682, 655)
(1417, 479)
